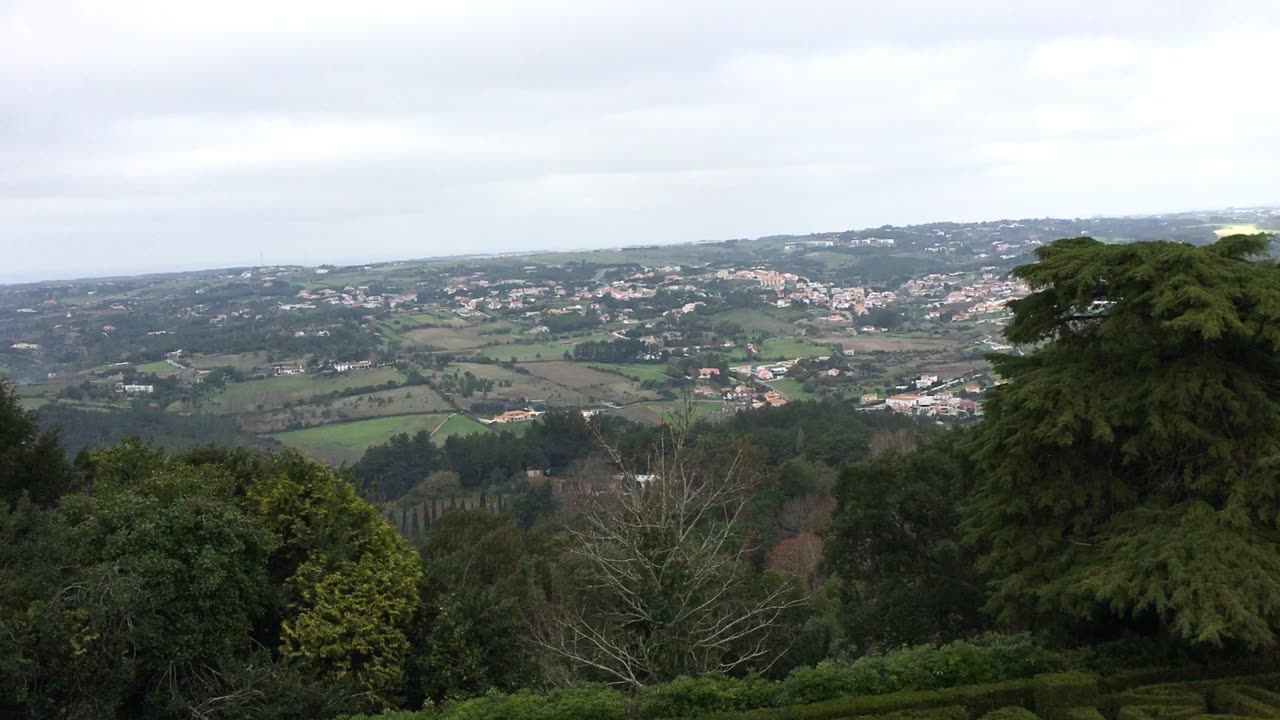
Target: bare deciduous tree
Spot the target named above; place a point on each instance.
(902, 440)
(801, 557)
(810, 512)
(661, 587)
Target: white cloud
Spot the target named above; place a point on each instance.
(327, 130)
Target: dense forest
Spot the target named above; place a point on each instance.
(1114, 508)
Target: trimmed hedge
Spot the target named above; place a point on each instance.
(1156, 702)
(1010, 713)
(1259, 693)
(1269, 680)
(1082, 713)
(1159, 712)
(950, 712)
(1169, 695)
(1244, 700)
(976, 700)
(1194, 673)
(1055, 693)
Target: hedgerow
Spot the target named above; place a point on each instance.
(989, 659)
(966, 680)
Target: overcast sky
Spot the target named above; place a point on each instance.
(139, 136)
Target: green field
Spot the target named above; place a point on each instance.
(388, 331)
(788, 348)
(31, 391)
(486, 371)
(770, 321)
(636, 371)
(458, 425)
(31, 403)
(273, 392)
(1225, 230)
(426, 318)
(666, 410)
(346, 442)
(534, 352)
(793, 389)
(159, 367)
(244, 362)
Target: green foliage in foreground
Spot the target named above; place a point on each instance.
(1129, 464)
(214, 583)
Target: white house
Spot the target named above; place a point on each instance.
(902, 403)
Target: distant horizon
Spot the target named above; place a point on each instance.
(11, 280)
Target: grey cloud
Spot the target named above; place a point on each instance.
(159, 133)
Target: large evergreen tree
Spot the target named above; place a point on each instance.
(1131, 464)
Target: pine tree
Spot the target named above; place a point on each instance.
(1131, 464)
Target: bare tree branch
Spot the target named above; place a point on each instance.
(661, 586)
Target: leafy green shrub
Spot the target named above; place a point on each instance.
(576, 703)
(1081, 713)
(824, 681)
(1010, 713)
(1018, 655)
(688, 697)
(924, 667)
(1059, 691)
